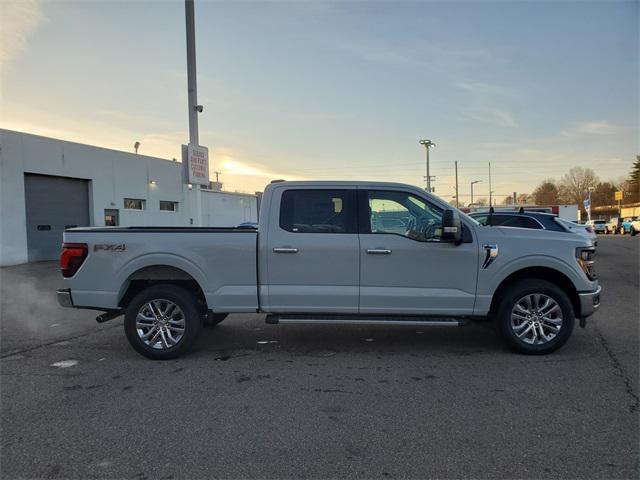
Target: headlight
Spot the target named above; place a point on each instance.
(584, 257)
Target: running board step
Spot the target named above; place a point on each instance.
(274, 319)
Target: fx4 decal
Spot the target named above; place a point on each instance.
(106, 247)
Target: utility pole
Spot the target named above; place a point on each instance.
(515, 199)
(457, 204)
(428, 144)
(192, 90)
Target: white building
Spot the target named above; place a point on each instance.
(47, 185)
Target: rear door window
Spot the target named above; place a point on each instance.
(318, 211)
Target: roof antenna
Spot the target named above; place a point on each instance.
(491, 210)
(521, 210)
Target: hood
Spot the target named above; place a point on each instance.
(531, 237)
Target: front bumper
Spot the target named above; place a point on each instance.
(589, 302)
(64, 298)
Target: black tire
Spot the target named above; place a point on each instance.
(521, 289)
(185, 300)
(214, 319)
(633, 232)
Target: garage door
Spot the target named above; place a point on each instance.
(53, 204)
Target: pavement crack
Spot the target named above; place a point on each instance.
(620, 372)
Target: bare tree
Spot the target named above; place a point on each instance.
(546, 193)
(524, 198)
(574, 186)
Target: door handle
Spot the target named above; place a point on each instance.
(285, 250)
(379, 251)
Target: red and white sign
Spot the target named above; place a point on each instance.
(196, 162)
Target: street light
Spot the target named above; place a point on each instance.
(427, 144)
(472, 184)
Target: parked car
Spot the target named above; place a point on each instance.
(635, 226)
(599, 226)
(319, 257)
(535, 221)
(626, 225)
(614, 225)
(585, 230)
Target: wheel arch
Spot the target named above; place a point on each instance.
(150, 275)
(542, 273)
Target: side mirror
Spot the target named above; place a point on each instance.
(451, 227)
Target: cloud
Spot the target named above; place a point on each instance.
(235, 167)
(434, 57)
(19, 19)
(593, 128)
(479, 88)
(493, 116)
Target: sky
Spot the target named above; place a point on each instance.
(337, 90)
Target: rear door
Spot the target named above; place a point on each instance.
(312, 251)
(404, 268)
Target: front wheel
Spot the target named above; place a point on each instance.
(162, 322)
(535, 317)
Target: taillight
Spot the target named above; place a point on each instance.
(589, 229)
(71, 258)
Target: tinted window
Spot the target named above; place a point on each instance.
(514, 221)
(318, 211)
(404, 214)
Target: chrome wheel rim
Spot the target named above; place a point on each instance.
(536, 319)
(160, 324)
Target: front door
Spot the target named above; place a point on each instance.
(312, 252)
(404, 268)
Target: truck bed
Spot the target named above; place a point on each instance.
(221, 260)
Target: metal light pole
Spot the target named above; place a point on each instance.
(457, 204)
(472, 184)
(428, 144)
(490, 191)
(192, 90)
(589, 209)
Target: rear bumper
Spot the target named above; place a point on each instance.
(64, 298)
(589, 302)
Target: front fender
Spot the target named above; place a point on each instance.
(490, 278)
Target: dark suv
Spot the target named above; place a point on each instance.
(534, 220)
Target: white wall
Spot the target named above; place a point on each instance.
(113, 176)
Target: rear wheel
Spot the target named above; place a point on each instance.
(535, 317)
(162, 322)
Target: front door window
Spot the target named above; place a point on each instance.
(404, 214)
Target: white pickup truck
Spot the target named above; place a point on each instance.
(335, 253)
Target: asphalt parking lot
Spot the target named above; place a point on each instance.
(258, 401)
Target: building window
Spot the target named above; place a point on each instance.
(134, 204)
(167, 206)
